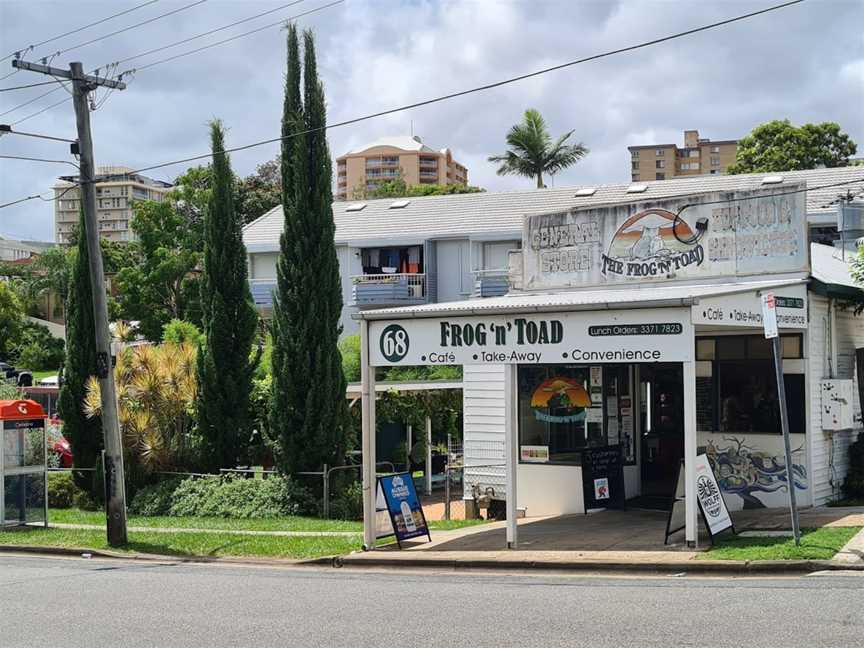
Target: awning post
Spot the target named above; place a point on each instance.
(690, 441)
(428, 470)
(367, 407)
(511, 436)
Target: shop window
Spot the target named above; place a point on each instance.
(736, 388)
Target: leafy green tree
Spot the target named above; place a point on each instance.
(229, 318)
(259, 192)
(532, 152)
(11, 319)
(36, 349)
(779, 146)
(180, 332)
(308, 413)
(163, 285)
(84, 434)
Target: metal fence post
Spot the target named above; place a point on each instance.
(326, 474)
(447, 490)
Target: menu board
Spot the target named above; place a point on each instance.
(603, 477)
(404, 507)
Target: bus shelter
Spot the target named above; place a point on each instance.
(23, 463)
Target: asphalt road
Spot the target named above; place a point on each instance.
(77, 602)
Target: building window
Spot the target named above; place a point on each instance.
(715, 160)
(635, 155)
(660, 176)
(660, 164)
(713, 171)
(660, 152)
(736, 391)
(693, 153)
(634, 166)
(635, 177)
(715, 149)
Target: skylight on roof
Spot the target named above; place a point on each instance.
(772, 179)
(356, 207)
(399, 204)
(586, 191)
(637, 188)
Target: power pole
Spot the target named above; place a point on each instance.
(115, 484)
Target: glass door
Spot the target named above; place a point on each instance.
(662, 423)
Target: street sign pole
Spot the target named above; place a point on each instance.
(769, 323)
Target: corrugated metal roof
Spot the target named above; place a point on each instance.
(501, 213)
(648, 296)
(829, 267)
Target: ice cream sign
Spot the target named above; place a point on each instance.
(701, 235)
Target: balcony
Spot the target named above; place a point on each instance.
(262, 293)
(491, 283)
(379, 290)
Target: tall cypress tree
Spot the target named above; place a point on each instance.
(229, 319)
(308, 411)
(84, 434)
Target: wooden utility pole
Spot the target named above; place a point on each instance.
(115, 485)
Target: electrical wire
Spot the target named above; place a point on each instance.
(74, 31)
(279, 23)
(488, 86)
(32, 85)
(222, 42)
(32, 159)
(135, 26)
(210, 32)
(39, 112)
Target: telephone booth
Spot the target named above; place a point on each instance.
(23, 463)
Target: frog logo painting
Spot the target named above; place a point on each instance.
(650, 244)
(560, 400)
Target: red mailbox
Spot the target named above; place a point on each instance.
(23, 463)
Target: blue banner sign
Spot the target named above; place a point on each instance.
(406, 514)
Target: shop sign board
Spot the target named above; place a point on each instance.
(590, 337)
(711, 501)
(718, 234)
(745, 309)
(406, 513)
(603, 477)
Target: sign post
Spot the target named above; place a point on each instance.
(769, 322)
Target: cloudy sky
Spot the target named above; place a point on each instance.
(805, 63)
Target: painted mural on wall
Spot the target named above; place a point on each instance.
(755, 475)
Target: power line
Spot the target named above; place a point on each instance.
(488, 86)
(149, 65)
(209, 33)
(39, 112)
(135, 26)
(32, 159)
(228, 40)
(31, 85)
(75, 31)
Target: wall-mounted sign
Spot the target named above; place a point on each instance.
(406, 514)
(653, 335)
(745, 309)
(660, 241)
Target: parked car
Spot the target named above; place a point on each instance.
(50, 381)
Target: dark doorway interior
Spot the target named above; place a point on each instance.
(662, 410)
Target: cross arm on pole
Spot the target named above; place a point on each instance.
(89, 79)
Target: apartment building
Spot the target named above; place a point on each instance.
(698, 156)
(21, 251)
(385, 159)
(116, 188)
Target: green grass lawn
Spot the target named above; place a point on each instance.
(39, 375)
(816, 544)
(189, 544)
(296, 523)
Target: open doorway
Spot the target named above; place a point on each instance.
(662, 424)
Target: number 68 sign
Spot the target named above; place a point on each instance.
(394, 343)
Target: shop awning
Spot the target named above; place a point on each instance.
(831, 270)
(353, 390)
(663, 296)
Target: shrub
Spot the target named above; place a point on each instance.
(61, 490)
(180, 331)
(84, 501)
(234, 497)
(349, 504)
(155, 499)
(37, 349)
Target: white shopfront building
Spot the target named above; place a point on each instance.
(638, 326)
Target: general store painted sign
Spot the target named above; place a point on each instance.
(764, 233)
(645, 335)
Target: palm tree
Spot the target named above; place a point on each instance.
(533, 153)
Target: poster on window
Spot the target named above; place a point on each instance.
(406, 513)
